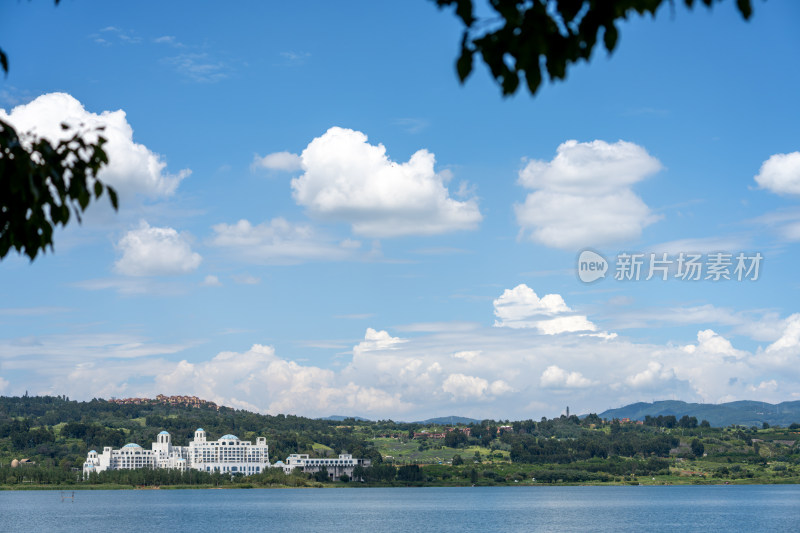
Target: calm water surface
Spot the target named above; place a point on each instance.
(674, 508)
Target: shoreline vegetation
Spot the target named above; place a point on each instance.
(44, 441)
(316, 485)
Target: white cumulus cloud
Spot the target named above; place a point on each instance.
(522, 302)
(482, 372)
(710, 342)
(780, 174)
(764, 386)
(350, 180)
(377, 340)
(152, 251)
(555, 377)
(583, 197)
(132, 168)
(499, 387)
(654, 374)
(521, 307)
(565, 324)
(259, 379)
(790, 335)
(463, 387)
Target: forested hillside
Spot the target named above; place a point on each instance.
(49, 437)
(57, 430)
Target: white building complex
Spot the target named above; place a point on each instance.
(227, 454)
(335, 467)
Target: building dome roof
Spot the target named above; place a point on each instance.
(92, 451)
(200, 429)
(14, 463)
(131, 445)
(164, 433)
(229, 437)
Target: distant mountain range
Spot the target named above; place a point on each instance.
(449, 421)
(746, 413)
(339, 418)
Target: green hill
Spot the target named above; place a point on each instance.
(44, 441)
(55, 430)
(745, 413)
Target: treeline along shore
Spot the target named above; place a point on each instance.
(44, 441)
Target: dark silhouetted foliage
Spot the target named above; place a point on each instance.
(522, 37)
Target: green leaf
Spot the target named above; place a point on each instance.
(559, 32)
(745, 8)
(610, 37)
(4, 61)
(112, 194)
(533, 77)
(464, 63)
(510, 82)
(98, 189)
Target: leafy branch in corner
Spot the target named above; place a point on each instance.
(528, 36)
(41, 185)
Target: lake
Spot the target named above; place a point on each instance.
(485, 509)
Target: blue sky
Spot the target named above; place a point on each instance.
(318, 219)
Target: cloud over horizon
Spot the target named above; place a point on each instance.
(484, 372)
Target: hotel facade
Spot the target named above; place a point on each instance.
(228, 454)
(344, 464)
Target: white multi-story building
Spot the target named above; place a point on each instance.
(227, 454)
(167, 455)
(344, 464)
(128, 457)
